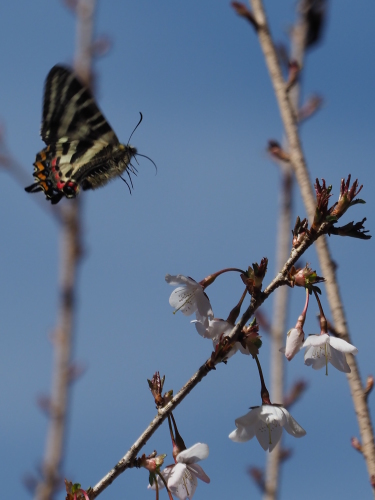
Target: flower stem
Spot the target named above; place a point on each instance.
(212, 277)
(263, 390)
(233, 315)
(170, 428)
(322, 320)
(306, 303)
(165, 484)
(157, 488)
(179, 442)
(302, 317)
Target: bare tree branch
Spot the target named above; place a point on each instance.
(327, 265)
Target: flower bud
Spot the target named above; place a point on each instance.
(322, 213)
(299, 232)
(346, 197)
(255, 275)
(152, 463)
(304, 277)
(156, 387)
(294, 342)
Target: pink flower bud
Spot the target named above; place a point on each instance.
(294, 342)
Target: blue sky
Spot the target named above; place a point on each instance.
(197, 74)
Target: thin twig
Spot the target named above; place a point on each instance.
(327, 265)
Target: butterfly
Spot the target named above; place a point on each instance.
(82, 152)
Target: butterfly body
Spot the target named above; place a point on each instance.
(82, 149)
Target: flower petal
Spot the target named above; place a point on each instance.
(193, 454)
(200, 327)
(199, 472)
(315, 357)
(316, 340)
(270, 414)
(245, 427)
(292, 426)
(180, 279)
(184, 299)
(342, 345)
(249, 419)
(203, 304)
(338, 360)
(217, 327)
(242, 434)
(182, 482)
(268, 435)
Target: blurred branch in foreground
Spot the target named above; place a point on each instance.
(71, 252)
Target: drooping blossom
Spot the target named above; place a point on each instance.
(266, 422)
(181, 478)
(189, 297)
(323, 348)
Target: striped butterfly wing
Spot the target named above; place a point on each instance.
(70, 112)
(82, 149)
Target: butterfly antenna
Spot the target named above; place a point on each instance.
(131, 135)
(144, 156)
(126, 182)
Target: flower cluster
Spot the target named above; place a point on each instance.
(267, 421)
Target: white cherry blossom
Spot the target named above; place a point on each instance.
(323, 348)
(189, 297)
(181, 477)
(266, 422)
